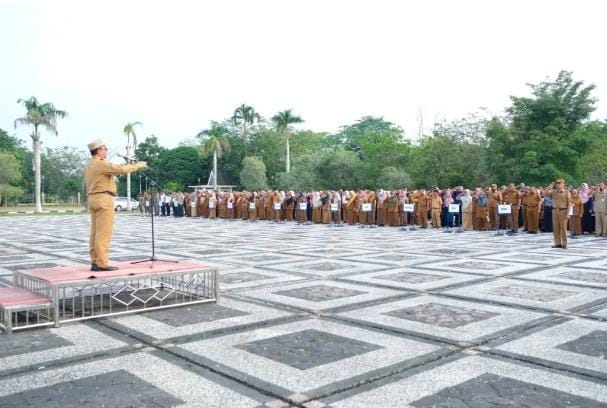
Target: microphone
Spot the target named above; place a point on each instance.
(127, 159)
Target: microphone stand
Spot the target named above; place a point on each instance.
(152, 258)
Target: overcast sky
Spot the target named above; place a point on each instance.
(176, 65)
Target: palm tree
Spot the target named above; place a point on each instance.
(283, 120)
(39, 114)
(129, 130)
(245, 115)
(214, 140)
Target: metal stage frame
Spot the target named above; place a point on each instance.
(104, 296)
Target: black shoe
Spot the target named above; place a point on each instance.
(556, 246)
(564, 247)
(106, 269)
(93, 266)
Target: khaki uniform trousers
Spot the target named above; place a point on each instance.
(101, 207)
(600, 223)
(559, 226)
(532, 218)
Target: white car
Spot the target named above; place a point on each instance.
(120, 203)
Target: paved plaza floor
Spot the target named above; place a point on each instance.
(317, 316)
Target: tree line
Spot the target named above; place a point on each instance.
(539, 138)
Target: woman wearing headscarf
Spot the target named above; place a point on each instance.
(480, 213)
(352, 205)
(382, 210)
(316, 208)
(466, 200)
(230, 206)
(253, 204)
(290, 202)
(336, 200)
(587, 219)
(213, 206)
(325, 200)
(575, 219)
(186, 204)
(392, 209)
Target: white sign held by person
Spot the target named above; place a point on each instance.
(277, 206)
(334, 207)
(251, 206)
(409, 208)
(504, 209)
(570, 212)
(211, 205)
(366, 207)
(454, 208)
(303, 206)
(230, 206)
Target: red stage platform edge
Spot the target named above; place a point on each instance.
(62, 274)
(11, 297)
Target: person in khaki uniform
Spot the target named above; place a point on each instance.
(101, 189)
(533, 206)
(513, 197)
(600, 210)
(423, 205)
(560, 208)
(436, 204)
(575, 219)
(494, 199)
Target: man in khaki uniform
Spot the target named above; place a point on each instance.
(101, 189)
(600, 210)
(533, 206)
(513, 197)
(494, 199)
(560, 210)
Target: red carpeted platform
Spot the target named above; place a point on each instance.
(63, 274)
(14, 297)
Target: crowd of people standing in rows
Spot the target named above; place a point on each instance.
(531, 208)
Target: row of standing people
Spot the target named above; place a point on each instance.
(531, 208)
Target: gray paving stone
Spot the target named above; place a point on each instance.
(591, 344)
(194, 314)
(320, 293)
(442, 315)
(489, 390)
(31, 342)
(308, 348)
(113, 389)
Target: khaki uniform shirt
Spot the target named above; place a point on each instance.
(99, 175)
(560, 199)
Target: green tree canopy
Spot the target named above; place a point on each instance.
(253, 175)
(10, 175)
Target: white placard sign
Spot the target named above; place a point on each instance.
(147, 203)
(570, 211)
(230, 206)
(193, 204)
(409, 208)
(277, 206)
(334, 207)
(252, 206)
(211, 205)
(454, 208)
(366, 207)
(504, 209)
(303, 206)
